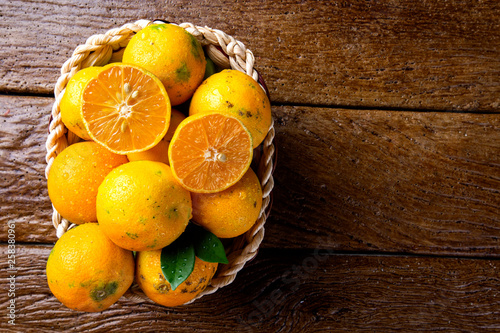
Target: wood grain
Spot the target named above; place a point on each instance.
(401, 54)
(348, 180)
(387, 181)
(24, 199)
(287, 291)
(386, 213)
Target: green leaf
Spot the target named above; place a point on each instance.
(207, 246)
(177, 261)
(210, 69)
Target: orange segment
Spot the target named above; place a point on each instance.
(210, 152)
(126, 109)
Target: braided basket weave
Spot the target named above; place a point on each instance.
(226, 52)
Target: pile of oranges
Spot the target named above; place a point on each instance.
(149, 186)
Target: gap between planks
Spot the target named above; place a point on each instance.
(329, 252)
(9, 93)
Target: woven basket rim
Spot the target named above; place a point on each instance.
(226, 52)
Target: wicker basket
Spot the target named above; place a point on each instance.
(226, 52)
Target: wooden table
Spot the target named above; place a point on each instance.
(386, 209)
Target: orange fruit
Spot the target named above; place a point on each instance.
(210, 69)
(140, 206)
(125, 108)
(175, 119)
(159, 152)
(71, 102)
(150, 279)
(210, 152)
(86, 271)
(172, 54)
(231, 212)
(75, 176)
(238, 94)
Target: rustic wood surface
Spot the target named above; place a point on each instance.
(361, 182)
(386, 212)
(291, 291)
(397, 53)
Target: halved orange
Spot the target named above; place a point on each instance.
(209, 152)
(126, 108)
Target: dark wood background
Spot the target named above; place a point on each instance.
(386, 212)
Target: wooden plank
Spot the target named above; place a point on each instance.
(348, 180)
(286, 291)
(387, 181)
(386, 54)
(24, 125)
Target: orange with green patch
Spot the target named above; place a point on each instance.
(140, 206)
(150, 279)
(172, 54)
(239, 95)
(86, 271)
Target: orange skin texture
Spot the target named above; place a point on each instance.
(173, 55)
(140, 206)
(238, 94)
(232, 212)
(176, 117)
(150, 279)
(86, 271)
(71, 104)
(75, 176)
(159, 152)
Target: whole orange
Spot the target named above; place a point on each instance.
(75, 176)
(86, 271)
(71, 102)
(238, 94)
(172, 54)
(231, 212)
(150, 279)
(140, 206)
